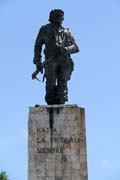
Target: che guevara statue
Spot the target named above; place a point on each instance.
(59, 45)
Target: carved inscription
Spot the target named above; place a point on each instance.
(59, 142)
(50, 150)
(46, 130)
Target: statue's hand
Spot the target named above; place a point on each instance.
(61, 50)
(64, 52)
(34, 74)
(38, 64)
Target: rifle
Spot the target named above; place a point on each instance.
(34, 75)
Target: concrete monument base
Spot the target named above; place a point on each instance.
(57, 143)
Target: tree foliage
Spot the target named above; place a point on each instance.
(3, 175)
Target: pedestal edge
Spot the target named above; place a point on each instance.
(54, 106)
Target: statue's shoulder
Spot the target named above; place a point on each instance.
(43, 27)
(46, 28)
(67, 31)
(69, 35)
(42, 30)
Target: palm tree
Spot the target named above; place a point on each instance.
(3, 175)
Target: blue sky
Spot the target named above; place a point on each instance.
(94, 83)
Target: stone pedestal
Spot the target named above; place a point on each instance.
(57, 143)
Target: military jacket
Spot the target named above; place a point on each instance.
(54, 38)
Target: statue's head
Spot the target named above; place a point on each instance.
(56, 16)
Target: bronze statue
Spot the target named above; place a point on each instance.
(58, 65)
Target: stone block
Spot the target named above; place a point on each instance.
(57, 143)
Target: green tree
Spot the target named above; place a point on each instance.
(3, 175)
